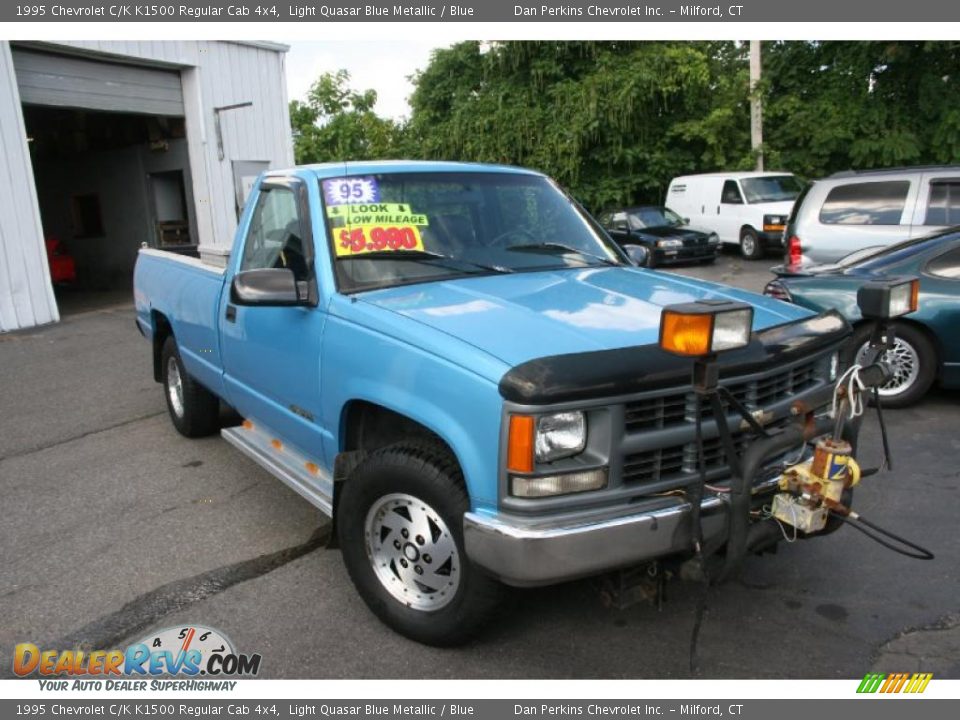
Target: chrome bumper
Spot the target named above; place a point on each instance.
(532, 554)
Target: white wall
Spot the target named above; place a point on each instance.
(26, 296)
(213, 74)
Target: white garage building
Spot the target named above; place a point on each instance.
(106, 145)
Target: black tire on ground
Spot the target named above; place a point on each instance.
(651, 259)
(194, 411)
(750, 246)
(426, 472)
(916, 340)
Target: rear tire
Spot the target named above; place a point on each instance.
(914, 360)
(400, 528)
(194, 410)
(750, 246)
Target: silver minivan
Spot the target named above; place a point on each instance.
(850, 211)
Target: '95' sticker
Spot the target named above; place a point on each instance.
(349, 191)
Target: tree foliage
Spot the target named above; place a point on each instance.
(338, 123)
(615, 121)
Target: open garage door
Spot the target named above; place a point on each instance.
(110, 161)
(66, 81)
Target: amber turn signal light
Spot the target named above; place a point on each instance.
(520, 443)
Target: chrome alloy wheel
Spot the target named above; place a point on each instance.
(175, 387)
(749, 244)
(412, 551)
(903, 361)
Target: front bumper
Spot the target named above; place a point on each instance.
(771, 239)
(664, 256)
(531, 555)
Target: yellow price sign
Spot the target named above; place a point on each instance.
(377, 214)
(359, 239)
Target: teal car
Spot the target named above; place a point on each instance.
(927, 347)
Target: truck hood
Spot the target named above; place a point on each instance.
(522, 316)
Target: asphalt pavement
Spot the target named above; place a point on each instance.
(114, 525)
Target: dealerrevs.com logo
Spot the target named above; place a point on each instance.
(175, 652)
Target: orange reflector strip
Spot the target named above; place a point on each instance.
(277, 445)
(914, 295)
(247, 425)
(773, 228)
(520, 444)
(686, 334)
(312, 468)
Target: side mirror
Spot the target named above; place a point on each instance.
(685, 221)
(638, 254)
(266, 286)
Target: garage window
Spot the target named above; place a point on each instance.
(871, 203)
(944, 205)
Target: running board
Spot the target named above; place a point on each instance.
(302, 475)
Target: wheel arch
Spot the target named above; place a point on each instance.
(162, 329)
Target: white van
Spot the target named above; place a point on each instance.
(749, 209)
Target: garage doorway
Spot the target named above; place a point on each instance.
(109, 153)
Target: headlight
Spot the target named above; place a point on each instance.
(546, 486)
(774, 223)
(890, 298)
(560, 435)
(713, 239)
(669, 243)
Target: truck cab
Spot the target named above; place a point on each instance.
(458, 365)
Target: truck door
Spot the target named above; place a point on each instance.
(730, 209)
(271, 354)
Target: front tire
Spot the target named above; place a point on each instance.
(913, 359)
(400, 527)
(194, 410)
(750, 246)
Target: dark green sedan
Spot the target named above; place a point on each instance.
(927, 345)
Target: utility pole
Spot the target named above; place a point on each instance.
(756, 104)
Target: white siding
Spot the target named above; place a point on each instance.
(213, 74)
(26, 295)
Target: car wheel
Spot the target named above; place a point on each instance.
(651, 259)
(400, 527)
(194, 410)
(750, 246)
(912, 358)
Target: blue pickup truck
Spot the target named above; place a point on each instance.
(458, 365)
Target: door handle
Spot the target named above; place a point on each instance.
(231, 314)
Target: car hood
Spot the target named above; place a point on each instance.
(522, 316)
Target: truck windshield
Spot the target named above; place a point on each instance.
(771, 189)
(401, 228)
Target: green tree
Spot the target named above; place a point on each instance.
(838, 105)
(612, 121)
(336, 122)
